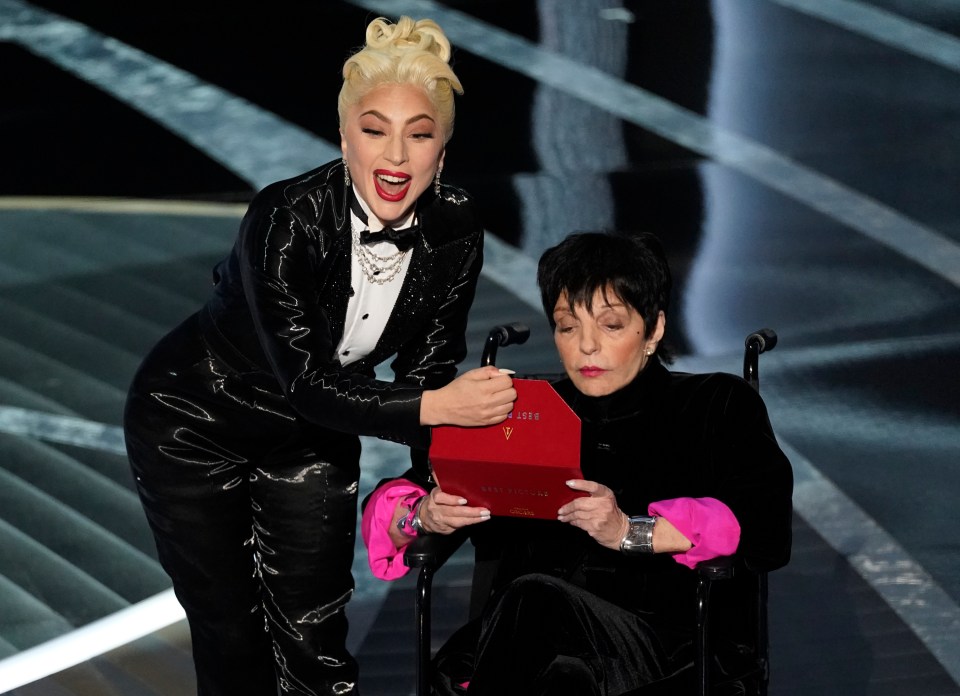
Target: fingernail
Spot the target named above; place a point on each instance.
(570, 483)
(462, 501)
(505, 371)
(485, 515)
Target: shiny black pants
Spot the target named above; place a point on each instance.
(254, 515)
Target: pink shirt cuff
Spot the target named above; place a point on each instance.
(707, 523)
(385, 559)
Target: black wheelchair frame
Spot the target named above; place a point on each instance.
(429, 552)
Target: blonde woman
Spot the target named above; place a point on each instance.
(242, 423)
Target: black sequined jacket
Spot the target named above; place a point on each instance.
(280, 300)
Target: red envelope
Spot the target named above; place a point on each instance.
(516, 468)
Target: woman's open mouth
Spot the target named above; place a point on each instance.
(391, 186)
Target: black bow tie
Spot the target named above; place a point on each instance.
(403, 239)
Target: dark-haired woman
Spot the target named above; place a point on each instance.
(679, 468)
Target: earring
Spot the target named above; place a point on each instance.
(346, 173)
(436, 183)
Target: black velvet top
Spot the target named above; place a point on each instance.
(280, 301)
(665, 435)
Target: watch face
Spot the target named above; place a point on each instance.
(406, 524)
(415, 525)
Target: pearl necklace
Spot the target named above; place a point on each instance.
(378, 269)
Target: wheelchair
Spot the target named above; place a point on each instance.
(428, 553)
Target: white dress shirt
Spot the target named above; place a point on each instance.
(371, 304)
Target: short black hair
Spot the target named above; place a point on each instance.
(633, 266)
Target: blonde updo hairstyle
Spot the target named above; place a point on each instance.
(408, 52)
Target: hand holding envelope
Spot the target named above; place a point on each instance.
(518, 467)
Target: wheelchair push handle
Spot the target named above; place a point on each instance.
(513, 333)
(765, 339)
(756, 343)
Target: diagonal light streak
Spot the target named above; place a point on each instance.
(885, 27)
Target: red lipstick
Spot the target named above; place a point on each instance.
(395, 194)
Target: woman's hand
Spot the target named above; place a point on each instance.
(600, 517)
(443, 513)
(483, 396)
(597, 514)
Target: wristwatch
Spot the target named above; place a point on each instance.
(639, 536)
(409, 524)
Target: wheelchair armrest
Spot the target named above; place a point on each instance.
(720, 568)
(433, 550)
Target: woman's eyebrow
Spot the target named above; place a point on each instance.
(383, 117)
(420, 117)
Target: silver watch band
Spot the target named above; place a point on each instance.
(639, 536)
(415, 524)
(409, 524)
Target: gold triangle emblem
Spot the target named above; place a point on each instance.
(507, 431)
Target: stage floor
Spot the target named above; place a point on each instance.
(798, 159)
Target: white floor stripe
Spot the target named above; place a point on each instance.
(94, 639)
(65, 430)
(132, 206)
(880, 560)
